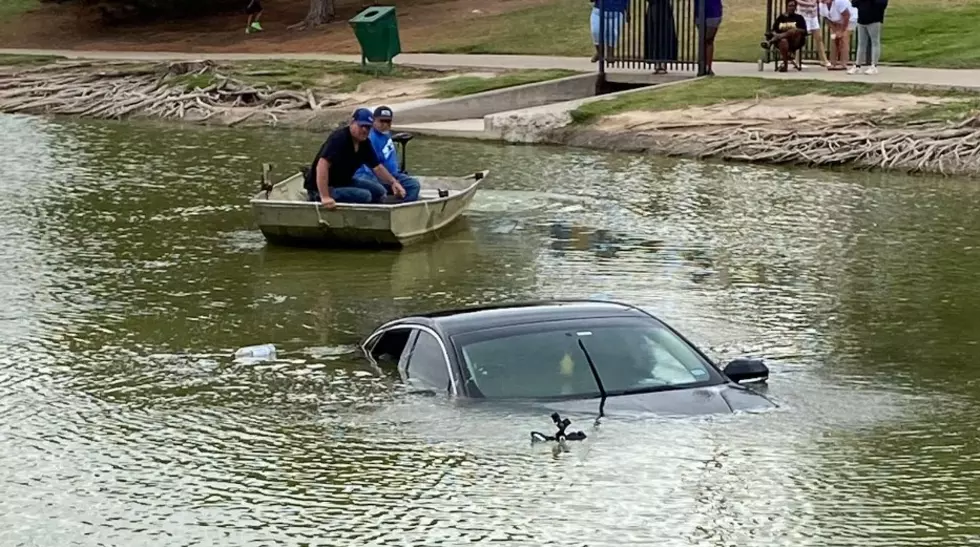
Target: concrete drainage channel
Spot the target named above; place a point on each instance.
(526, 113)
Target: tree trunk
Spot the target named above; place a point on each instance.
(321, 11)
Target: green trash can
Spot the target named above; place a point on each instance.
(376, 29)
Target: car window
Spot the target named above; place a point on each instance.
(631, 356)
(390, 345)
(427, 363)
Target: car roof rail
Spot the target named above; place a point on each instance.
(523, 304)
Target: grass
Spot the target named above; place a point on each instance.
(18, 60)
(927, 33)
(13, 8)
(346, 77)
(339, 77)
(560, 27)
(708, 91)
(468, 85)
(950, 111)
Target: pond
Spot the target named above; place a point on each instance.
(131, 271)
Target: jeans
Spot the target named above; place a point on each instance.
(360, 191)
(411, 186)
(869, 35)
(379, 190)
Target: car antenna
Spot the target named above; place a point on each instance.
(560, 437)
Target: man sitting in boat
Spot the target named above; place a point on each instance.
(385, 149)
(331, 177)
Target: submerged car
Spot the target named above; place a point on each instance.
(572, 355)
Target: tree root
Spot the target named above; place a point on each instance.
(117, 90)
(948, 148)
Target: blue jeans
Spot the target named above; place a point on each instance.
(411, 186)
(379, 190)
(360, 191)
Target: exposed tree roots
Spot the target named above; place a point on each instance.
(948, 148)
(165, 90)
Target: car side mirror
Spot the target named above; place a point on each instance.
(741, 370)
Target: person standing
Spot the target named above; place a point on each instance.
(254, 11)
(842, 17)
(871, 16)
(712, 20)
(808, 9)
(616, 12)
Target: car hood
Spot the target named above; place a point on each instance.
(720, 399)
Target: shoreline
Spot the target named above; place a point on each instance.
(204, 93)
(938, 149)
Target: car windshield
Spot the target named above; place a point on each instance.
(545, 361)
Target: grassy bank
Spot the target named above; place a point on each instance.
(928, 33)
(710, 91)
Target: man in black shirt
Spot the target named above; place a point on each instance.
(331, 176)
(788, 33)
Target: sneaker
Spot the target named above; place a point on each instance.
(256, 26)
(854, 69)
(871, 70)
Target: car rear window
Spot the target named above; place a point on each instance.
(546, 360)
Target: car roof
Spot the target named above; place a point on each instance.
(451, 322)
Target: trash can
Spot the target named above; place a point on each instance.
(376, 29)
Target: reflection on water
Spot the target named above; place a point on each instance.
(130, 272)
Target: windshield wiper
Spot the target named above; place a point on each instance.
(595, 373)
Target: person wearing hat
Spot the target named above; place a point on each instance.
(385, 149)
(331, 176)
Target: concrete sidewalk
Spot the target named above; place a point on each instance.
(954, 78)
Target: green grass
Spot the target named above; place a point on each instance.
(936, 36)
(18, 60)
(950, 111)
(709, 91)
(468, 85)
(346, 77)
(13, 8)
(927, 33)
(557, 28)
(340, 77)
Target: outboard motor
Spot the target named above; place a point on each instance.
(402, 139)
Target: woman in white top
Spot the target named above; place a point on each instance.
(842, 19)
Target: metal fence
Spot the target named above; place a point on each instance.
(652, 34)
(809, 51)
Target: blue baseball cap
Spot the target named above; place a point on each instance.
(362, 116)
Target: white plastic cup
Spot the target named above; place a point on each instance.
(264, 351)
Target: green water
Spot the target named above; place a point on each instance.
(131, 271)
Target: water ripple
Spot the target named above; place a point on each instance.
(130, 275)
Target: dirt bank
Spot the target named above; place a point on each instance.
(901, 131)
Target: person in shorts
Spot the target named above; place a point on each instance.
(811, 14)
(254, 11)
(616, 13)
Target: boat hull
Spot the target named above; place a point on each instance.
(286, 217)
